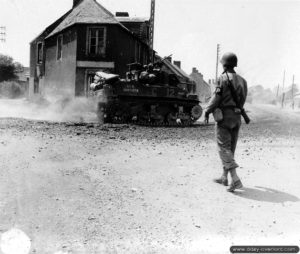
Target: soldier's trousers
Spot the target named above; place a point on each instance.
(227, 137)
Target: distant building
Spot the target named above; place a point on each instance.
(212, 83)
(65, 56)
(23, 75)
(297, 100)
(203, 89)
(177, 63)
(23, 79)
(138, 26)
(174, 68)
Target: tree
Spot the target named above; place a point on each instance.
(8, 68)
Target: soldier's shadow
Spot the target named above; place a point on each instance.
(266, 195)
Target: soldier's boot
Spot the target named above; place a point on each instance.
(236, 182)
(235, 185)
(223, 179)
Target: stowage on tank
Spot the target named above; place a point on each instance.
(157, 94)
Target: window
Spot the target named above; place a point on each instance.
(39, 52)
(59, 47)
(90, 79)
(96, 41)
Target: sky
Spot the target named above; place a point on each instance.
(265, 34)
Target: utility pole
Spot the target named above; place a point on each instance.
(277, 91)
(2, 33)
(293, 92)
(151, 30)
(283, 93)
(217, 64)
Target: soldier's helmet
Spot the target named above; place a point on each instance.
(229, 59)
(150, 67)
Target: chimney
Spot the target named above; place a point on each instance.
(169, 58)
(122, 14)
(76, 2)
(177, 63)
(194, 70)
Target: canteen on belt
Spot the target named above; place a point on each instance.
(218, 115)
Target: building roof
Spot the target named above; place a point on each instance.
(51, 27)
(198, 77)
(86, 12)
(175, 69)
(206, 84)
(132, 19)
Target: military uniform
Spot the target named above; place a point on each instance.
(227, 130)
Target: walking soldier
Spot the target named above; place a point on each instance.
(227, 107)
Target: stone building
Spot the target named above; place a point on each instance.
(87, 38)
(203, 89)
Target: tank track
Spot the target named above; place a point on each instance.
(158, 113)
(153, 124)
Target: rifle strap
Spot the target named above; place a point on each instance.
(233, 92)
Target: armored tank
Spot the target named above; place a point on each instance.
(159, 94)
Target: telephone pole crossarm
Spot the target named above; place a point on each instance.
(2, 34)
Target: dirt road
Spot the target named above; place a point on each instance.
(86, 188)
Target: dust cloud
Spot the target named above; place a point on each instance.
(50, 109)
(258, 94)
